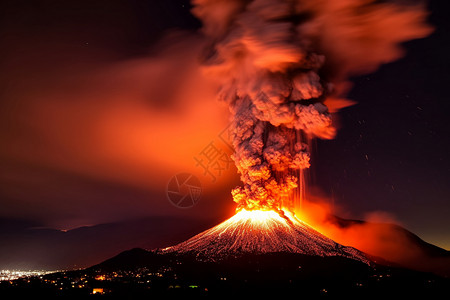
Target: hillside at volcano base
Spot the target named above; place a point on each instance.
(254, 253)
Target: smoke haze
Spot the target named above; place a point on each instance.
(379, 235)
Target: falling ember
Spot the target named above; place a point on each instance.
(281, 66)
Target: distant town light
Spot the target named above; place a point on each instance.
(97, 291)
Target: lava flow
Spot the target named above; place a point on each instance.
(258, 231)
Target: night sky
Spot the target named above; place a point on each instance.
(391, 153)
(82, 143)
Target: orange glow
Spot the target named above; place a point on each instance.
(378, 235)
(97, 291)
(100, 277)
(122, 117)
(263, 219)
(256, 216)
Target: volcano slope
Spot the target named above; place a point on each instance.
(262, 232)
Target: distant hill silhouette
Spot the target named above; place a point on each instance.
(86, 246)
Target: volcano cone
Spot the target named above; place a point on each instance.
(262, 232)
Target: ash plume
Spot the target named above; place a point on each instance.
(282, 67)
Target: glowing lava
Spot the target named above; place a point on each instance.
(259, 231)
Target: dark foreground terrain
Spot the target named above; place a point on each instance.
(139, 274)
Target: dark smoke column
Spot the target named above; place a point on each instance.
(278, 62)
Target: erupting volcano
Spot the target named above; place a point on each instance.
(281, 67)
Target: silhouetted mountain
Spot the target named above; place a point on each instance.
(132, 259)
(29, 247)
(428, 248)
(82, 247)
(395, 245)
(139, 274)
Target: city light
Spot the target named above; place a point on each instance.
(6, 275)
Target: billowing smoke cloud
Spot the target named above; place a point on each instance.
(282, 66)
